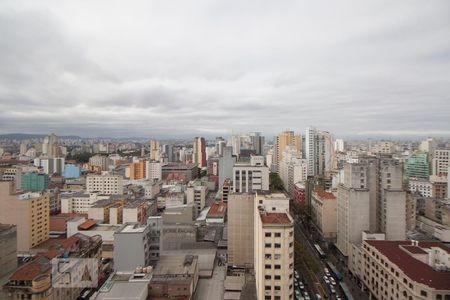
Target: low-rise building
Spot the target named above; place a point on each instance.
(131, 247)
(406, 269)
(35, 280)
(174, 276)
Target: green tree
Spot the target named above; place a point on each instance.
(275, 183)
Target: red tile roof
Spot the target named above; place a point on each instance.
(275, 218)
(86, 225)
(58, 224)
(324, 195)
(414, 249)
(414, 268)
(39, 265)
(217, 210)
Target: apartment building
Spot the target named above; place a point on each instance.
(324, 213)
(79, 202)
(274, 254)
(100, 161)
(251, 177)
(29, 212)
(196, 194)
(406, 270)
(8, 249)
(105, 184)
(423, 187)
(440, 162)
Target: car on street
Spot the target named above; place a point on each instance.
(298, 294)
(325, 278)
(333, 282)
(327, 272)
(306, 295)
(301, 285)
(296, 275)
(333, 291)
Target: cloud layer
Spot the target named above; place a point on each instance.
(176, 68)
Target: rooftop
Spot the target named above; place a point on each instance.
(412, 267)
(132, 228)
(217, 210)
(323, 194)
(275, 219)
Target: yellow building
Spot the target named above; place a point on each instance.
(29, 211)
(138, 170)
(287, 138)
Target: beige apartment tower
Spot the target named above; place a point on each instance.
(29, 212)
(287, 138)
(274, 254)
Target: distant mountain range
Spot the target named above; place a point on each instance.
(26, 136)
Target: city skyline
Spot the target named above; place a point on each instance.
(357, 69)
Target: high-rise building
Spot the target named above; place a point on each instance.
(417, 166)
(371, 199)
(155, 150)
(292, 169)
(50, 165)
(196, 194)
(339, 145)
(274, 253)
(251, 177)
(284, 139)
(105, 184)
(138, 170)
(168, 150)
(440, 162)
(241, 229)
(29, 211)
(257, 142)
(100, 161)
(200, 152)
(319, 148)
(428, 146)
(50, 146)
(33, 181)
(154, 170)
(324, 213)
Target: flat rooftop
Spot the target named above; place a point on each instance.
(275, 219)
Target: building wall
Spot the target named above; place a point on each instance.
(274, 259)
(131, 249)
(353, 216)
(30, 212)
(8, 249)
(104, 184)
(240, 229)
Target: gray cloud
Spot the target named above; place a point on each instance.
(145, 69)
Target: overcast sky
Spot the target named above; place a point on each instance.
(177, 68)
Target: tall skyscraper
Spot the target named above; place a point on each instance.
(168, 149)
(319, 151)
(200, 152)
(257, 142)
(155, 150)
(50, 146)
(284, 139)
